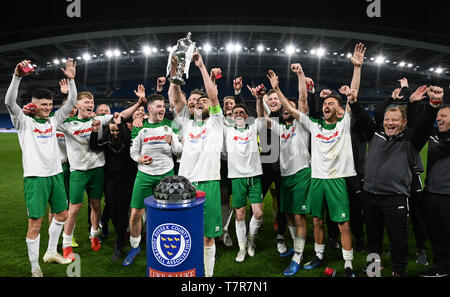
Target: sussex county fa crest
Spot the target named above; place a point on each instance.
(171, 244)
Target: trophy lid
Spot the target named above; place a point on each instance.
(174, 190)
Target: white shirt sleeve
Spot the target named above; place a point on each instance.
(16, 113)
(305, 121)
(135, 149)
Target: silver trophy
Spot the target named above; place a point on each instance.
(182, 52)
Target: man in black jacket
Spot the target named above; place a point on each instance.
(387, 187)
(436, 201)
(401, 96)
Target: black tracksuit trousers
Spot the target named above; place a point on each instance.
(436, 212)
(390, 211)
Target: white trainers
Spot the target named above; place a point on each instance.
(37, 272)
(251, 246)
(241, 256)
(227, 239)
(54, 257)
(281, 247)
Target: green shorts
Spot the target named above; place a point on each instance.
(143, 187)
(336, 195)
(40, 190)
(294, 192)
(243, 187)
(89, 180)
(212, 212)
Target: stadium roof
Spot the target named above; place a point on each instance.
(409, 40)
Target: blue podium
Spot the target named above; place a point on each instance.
(175, 237)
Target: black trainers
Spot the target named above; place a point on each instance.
(333, 244)
(349, 272)
(117, 255)
(422, 257)
(433, 272)
(368, 263)
(359, 247)
(316, 262)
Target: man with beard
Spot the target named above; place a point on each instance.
(295, 162)
(200, 160)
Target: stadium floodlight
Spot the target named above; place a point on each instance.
(154, 50)
(207, 48)
(439, 70)
(379, 60)
(320, 52)
(146, 50)
(230, 47)
(86, 56)
(410, 65)
(260, 48)
(290, 49)
(131, 51)
(56, 61)
(349, 55)
(169, 49)
(109, 53)
(402, 64)
(313, 52)
(237, 47)
(63, 60)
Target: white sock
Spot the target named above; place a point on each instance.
(292, 231)
(209, 256)
(348, 258)
(319, 249)
(134, 241)
(54, 231)
(254, 226)
(94, 233)
(241, 233)
(67, 240)
(33, 251)
(299, 246)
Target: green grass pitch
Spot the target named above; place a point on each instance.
(266, 262)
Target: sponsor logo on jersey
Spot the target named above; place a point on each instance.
(44, 134)
(289, 135)
(243, 140)
(83, 132)
(328, 139)
(194, 138)
(161, 139)
(171, 244)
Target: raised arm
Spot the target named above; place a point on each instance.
(259, 94)
(69, 72)
(274, 82)
(357, 60)
(422, 129)
(176, 98)
(140, 93)
(302, 91)
(210, 87)
(11, 95)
